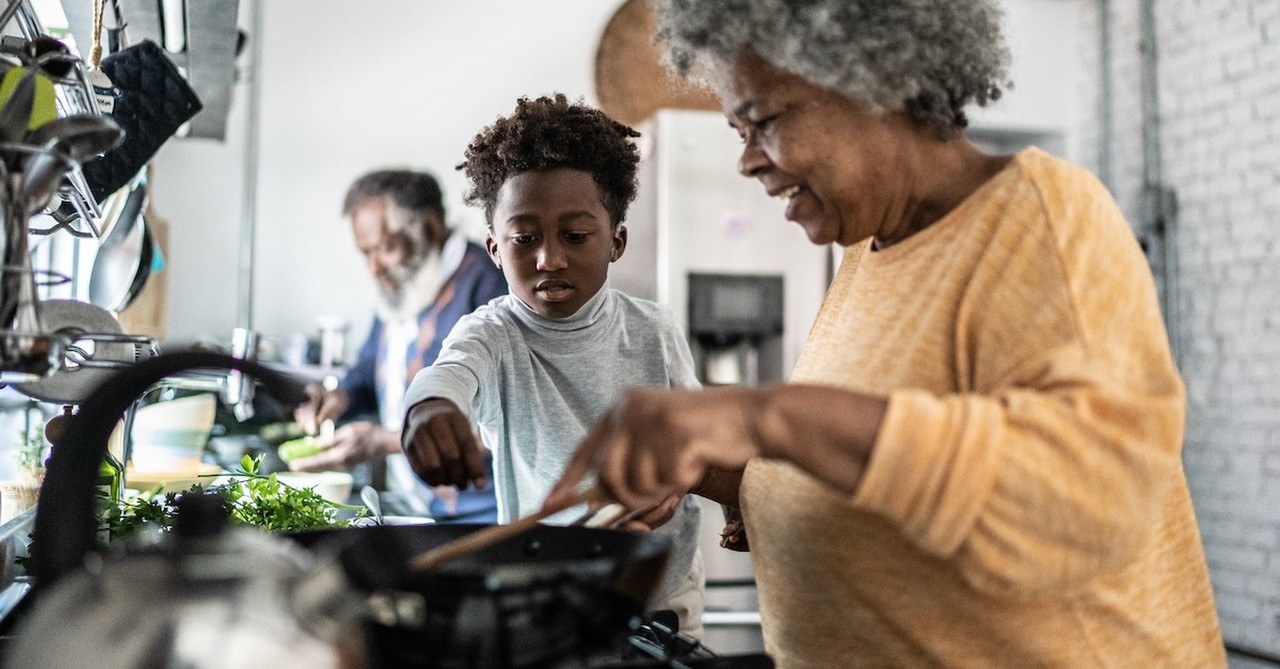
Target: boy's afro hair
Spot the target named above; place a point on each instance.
(548, 133)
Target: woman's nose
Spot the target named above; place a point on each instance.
(753, 160)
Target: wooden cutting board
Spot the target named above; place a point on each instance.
(631, 81)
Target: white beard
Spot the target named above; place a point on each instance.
(418, 292)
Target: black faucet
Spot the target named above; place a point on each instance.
(65, 526)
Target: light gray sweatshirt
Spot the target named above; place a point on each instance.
(535, 385)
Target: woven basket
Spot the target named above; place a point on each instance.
(631, 81)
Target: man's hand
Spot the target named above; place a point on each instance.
(441, 447)
(352, 444)
(321, 405)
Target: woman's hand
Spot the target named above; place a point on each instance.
(656, 443)
(441, 447)
(660, 442)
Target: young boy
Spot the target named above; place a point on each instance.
(536, 368)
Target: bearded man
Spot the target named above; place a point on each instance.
(428, 276)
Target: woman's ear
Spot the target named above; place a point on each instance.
(619, 242)
(492, 246)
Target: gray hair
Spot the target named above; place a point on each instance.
(414, 192)
(928, 57)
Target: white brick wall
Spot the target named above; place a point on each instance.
(1219, 78)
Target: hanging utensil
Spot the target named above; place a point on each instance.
(62, 144)
(80, 136)
(146, 265)
(369, 496)
(119, 253)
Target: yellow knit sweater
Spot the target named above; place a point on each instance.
(1025, 504)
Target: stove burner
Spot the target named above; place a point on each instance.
(655, 643)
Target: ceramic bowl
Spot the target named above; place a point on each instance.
(170, 436)
(333, 486)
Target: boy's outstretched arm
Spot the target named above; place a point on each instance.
(440, 445)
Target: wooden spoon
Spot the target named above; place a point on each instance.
(483, 538)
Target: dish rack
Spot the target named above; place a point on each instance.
(29, 348)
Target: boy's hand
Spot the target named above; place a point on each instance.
(441, 447)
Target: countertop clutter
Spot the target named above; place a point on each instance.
(210, 594)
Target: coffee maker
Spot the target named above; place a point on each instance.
(736, 325)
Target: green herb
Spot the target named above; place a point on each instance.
(31, 449)
(252, 499)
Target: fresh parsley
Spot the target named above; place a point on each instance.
(253, 499)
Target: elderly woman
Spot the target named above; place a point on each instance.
(976, 462)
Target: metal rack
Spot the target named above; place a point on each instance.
(74, 95)
(28, 349)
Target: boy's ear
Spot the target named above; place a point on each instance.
(619, 243)
(492, 247)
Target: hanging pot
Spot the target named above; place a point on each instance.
(146, 261)
(120, 253)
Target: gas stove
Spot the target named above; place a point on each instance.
(654, 642)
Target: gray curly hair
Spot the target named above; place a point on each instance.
(930, 58)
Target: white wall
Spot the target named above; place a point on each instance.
(1219, 98)
(1047, 74)
(346, 87)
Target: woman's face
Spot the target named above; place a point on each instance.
(553, 239)
(843, 171)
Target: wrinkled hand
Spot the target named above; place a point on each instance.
(657, 443)
(352, 444)
(320, 405)
(441, 447)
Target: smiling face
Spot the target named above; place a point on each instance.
(553, 239)
(844, 171)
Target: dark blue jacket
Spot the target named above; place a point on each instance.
(475, 282)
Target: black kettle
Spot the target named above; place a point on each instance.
(205, 595)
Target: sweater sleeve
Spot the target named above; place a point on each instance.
(467, 365)
(1055, 465)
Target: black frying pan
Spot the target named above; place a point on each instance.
(532, 600)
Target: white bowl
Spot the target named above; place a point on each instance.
(170, 436)
(194, 412)
(173, 481)
(333, 486)
(395, 520)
